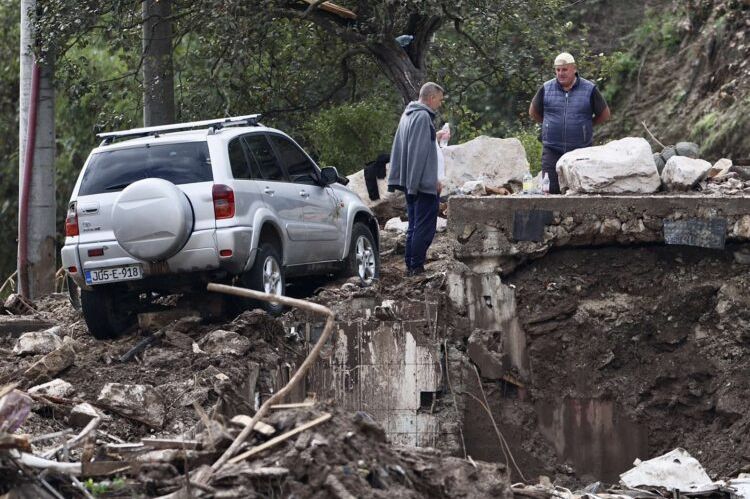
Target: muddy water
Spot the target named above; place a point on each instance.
(593, 435)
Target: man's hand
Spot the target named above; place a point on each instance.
(602, 117)
(443, 134)
(439, 187)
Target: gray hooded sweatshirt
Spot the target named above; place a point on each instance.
(414, 156)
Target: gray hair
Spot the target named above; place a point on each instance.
(429, 89)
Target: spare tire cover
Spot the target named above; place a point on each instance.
(152, 219)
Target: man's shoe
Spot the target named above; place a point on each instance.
(416, 271)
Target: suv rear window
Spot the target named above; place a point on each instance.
(181, 163)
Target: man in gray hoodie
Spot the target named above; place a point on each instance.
(414, 170)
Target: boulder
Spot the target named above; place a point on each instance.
(621, 166)
(668, 152)
(660, 162)
(222, 342)
(498, 162)
(688, 149)
(682, 173)
(720, 168)
(139, 402)
(39, 342)
(55, 388)
(390, 204)
(742, 171)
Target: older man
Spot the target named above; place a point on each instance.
(414, 170)
(568, 107)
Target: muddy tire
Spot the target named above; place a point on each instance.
(105, 316)
(267, 275)
(363, 260)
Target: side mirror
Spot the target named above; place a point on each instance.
(330, 175)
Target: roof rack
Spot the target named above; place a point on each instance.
(109, 137)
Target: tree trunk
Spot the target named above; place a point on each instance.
(399, 69)
(158, 72)
(37, 264)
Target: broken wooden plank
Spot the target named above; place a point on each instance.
(284, 436)
(103, 468)
(260, 426)
(171, 443)
(14, 325)
(299, 405)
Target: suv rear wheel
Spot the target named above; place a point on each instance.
(267, 275)
(105, 315)
(363, 260)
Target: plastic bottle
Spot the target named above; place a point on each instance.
(545, 183)
(444, 140)
(528, 180)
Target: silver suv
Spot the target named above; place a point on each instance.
(164, 210)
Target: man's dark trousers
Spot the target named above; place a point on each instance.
(422, 210)
(549, 161)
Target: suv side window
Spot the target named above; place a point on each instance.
(299, 167)
(262, 157)
(238, 160)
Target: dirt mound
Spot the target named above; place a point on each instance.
(657, 335)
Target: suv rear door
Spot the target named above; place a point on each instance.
(108, 172)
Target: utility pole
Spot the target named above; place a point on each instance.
(158, 73)
(37, 255)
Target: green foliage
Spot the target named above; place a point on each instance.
(616, 70)
(104, 487)
(350, 135)
(529, 137)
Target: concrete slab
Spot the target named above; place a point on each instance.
(501, 231)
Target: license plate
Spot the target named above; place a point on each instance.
(114, 274)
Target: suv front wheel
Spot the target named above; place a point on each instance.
(267, 275)
(363, 260)
(105, 313)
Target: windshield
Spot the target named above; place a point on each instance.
(181, 163)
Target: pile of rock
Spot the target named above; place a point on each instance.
(628, 166)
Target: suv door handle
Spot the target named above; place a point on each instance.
(269, 191)
(304, 194)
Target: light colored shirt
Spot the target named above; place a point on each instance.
(440, 162)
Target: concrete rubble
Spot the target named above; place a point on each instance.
(682, 173)
(140, 402)
(40, 342)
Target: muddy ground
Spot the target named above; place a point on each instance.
(654, 337)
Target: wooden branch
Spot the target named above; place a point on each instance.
(652, 135)
(73, 442)
(298, 376)
(284, 436)
(298, 405)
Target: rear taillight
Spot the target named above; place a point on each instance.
(71, 221)
(223, 201)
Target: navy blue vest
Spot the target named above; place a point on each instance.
(568, 121)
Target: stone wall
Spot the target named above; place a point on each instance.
(502, 231)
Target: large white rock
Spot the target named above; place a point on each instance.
(682, 173)
(621, 166)
(39, 342)
(139, 402)
(497, 162)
